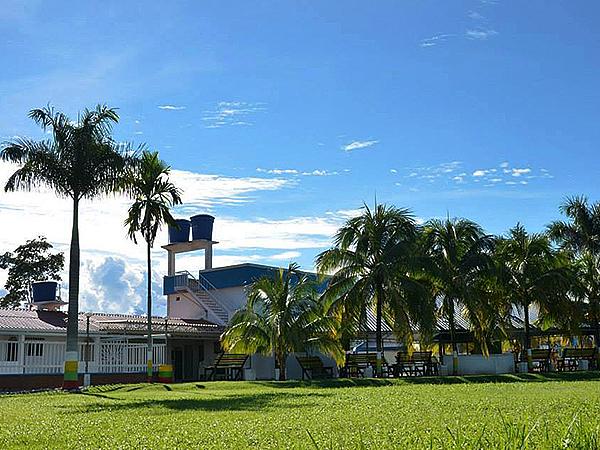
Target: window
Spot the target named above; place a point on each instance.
(34, 349)
(9, 351)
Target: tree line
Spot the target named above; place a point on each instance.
(412, 276)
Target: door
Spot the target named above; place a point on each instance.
(177, 358)
(188, 364)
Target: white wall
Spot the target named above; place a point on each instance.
(184, 308)
(233, 298)
(480, 365)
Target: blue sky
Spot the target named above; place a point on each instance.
(286, 116)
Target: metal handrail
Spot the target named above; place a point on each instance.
(204, 289)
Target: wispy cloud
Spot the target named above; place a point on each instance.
(475, 15)
(516, 172)
(231, 113)
(315, 172)
(435, 40)
(277, 171)
(171, 107)
(480, 34)
(355, 145)
(454, 173)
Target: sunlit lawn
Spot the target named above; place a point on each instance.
(540, 412)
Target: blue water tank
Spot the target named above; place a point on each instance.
(202, 227)
(44, 291)
(180, 234)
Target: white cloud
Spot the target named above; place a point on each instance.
(171, 107)
(435, 40)
(393, 171)
(231, 113)
(475, 15)
(458, 179)
(277, 171)
(320, 173)
(285, 256)
(355, 145)
(480, 34)
(479, 173)
(518, 172)
(315, 172)
(504, 164)
(26, 215)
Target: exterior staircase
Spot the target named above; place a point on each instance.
(204, 294)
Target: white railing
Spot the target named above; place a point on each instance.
(205, 293)
(47, 357)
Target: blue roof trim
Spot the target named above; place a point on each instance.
(242, 275)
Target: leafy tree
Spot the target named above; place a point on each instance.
(283, 315)
(29, 262)
(532, 274)
(580, 236)
(154, 194)
(80, 161)
(460, 261)
(373, 266)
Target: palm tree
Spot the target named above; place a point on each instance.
(582, 233)
(283, 314)
(580, 236)
(532, 274)
(373, 267)
(154, 194)
(460, 260)
(80, 161)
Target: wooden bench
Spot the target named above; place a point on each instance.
(356, 363)
(313, 367)
(415, 364)
(540, 359)
(228, 365)
(569, 361)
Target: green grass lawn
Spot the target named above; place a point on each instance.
(477, 412)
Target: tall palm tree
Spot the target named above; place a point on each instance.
(532, 274)
(373, 267)
(580, 236)
(154, 194)
(460, 258)
(283, 315)
(80, 161)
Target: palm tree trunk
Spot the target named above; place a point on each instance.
(453, 337)
(527, 337)
(71, 378)
(378, 337)
(282, 362)
(149, 351)
(526, 321)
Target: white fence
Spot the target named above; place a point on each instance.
(100, 356)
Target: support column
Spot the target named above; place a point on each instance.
(171, 263)
(208, 253)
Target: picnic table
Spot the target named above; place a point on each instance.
(356, 363)
(571, 357)
(540, 359)
(415, 364)
(313, 367)
(227, 366)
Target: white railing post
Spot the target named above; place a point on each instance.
(21, 350)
